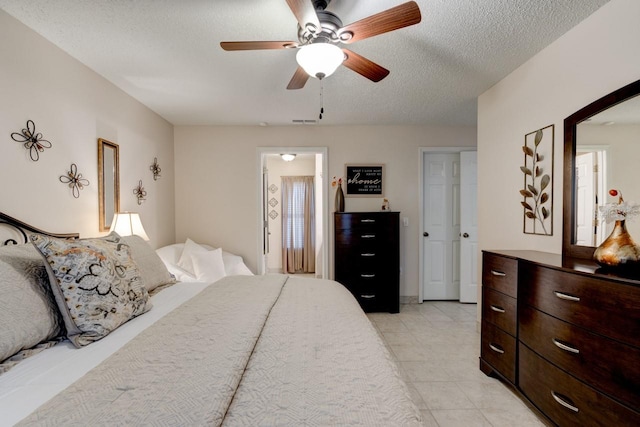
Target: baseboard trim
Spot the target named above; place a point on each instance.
(408, 299)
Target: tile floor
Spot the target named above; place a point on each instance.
(437, 347)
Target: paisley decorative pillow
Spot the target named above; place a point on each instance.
(96, 284)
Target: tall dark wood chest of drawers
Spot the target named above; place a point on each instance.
(367, 258)
(565, 334)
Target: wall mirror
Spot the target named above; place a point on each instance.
(108, 182)
(601, 152)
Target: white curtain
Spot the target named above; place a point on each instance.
(298, 224)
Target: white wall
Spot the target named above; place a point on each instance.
(72, 107)
(217, 179)
(594, 58)
(301, 166)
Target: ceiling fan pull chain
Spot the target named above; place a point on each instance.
(321, 99)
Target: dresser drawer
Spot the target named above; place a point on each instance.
(602, 306)
(500, 273)
(362, 242)
(498, 349)
(566, 400)
(500, 310)
(607, 365)
(370, 298)
(366, 221)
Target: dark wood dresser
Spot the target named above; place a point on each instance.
(367, 258)
(565, 334)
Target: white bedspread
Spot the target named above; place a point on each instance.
(37, 379)
(261, 350)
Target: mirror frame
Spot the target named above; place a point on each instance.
(569, 180)
(102, 143)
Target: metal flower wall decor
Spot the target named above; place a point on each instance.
(538, 181)
(31, 140)
(140, 193)
(155, 169)
(74, 180)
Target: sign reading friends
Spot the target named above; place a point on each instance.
(365, 180)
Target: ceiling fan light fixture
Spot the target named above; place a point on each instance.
(320, 59)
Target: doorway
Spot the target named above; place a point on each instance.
(271, 166)
(448, 212)
(591, 182)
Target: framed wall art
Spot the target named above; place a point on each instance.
(365, 180)
(537, 190)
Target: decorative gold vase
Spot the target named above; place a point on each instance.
(618, 250)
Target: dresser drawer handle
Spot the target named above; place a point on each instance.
(565, 347)
(498, 273)
(368, 254)
(497, 309)
(368, 236)
(368, 296)
(496, 348)
(367, 276)
(368, 220)
(561, 400)
(566, 296)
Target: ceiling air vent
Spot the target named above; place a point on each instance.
(304, 122)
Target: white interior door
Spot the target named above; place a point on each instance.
(441, 225)
(469, 227)
(585, 202)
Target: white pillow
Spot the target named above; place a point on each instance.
(180, 274)
(234, 265)
(185, 262)
(170, 255)
(208, 265)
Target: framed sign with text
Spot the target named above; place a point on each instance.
(365, 180)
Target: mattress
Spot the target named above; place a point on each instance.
(259, 350)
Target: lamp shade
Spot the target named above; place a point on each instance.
(128, 224)
(320, 60)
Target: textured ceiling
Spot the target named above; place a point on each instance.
(166, 54)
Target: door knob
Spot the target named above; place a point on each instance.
(425, 234)
(465, 235)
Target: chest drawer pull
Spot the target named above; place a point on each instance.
(368, 254)
(497, 309)
(566, 296)
(496, 348)
(367, 276)
(368, 220)
(565, 347)
(368, 296)
(498, 273)
(562, 400)
(368, 236)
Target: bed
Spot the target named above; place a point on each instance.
(238, 350)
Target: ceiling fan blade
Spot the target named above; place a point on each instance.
(392, 19)
(306, 15)
(364, 67)
(257, 45)
(299, 79)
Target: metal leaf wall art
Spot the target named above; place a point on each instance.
(74, 180)
(538, 181)
(31, 140)
(140, 193)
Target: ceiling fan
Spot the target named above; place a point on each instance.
(320, 32)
